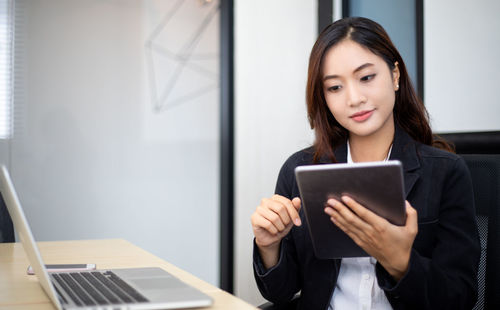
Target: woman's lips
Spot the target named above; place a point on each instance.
(362, 116)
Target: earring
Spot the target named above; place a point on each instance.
(397, 86)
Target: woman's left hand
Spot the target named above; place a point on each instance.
(389, 244)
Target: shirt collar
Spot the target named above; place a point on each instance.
(349, 158)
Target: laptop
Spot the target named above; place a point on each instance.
(376, 185)
(134, 288)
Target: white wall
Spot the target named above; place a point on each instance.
(94, 155)
(272, 44)
(462, 44)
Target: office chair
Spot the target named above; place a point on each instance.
(485, 173)
(6, 227)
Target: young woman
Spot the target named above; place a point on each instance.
(362, 106)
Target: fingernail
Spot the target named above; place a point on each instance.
(331, 202)
(345, 198)
(297, 222)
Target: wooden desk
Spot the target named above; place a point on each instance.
(20, 291)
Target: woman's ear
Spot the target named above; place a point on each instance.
(395, 76)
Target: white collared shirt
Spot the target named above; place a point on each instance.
(357, 287)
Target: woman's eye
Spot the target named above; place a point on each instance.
(334, 88)
(367, 77)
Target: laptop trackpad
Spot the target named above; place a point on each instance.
(156, 283)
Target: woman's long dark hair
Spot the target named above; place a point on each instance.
(409, 112)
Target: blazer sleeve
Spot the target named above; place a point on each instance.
(281, 282)
(448, 278)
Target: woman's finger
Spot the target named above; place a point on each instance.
(355, 237)
(272, 217)
(279, 208)
(260, 222)
(411, 219)
(293, 211)
(348, 217)
(362, 212)
(346, 227)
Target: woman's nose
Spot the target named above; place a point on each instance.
(354, 95)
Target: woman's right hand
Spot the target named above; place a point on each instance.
(271, 221)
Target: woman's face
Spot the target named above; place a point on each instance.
(359, 89)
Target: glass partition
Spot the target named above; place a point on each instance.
(116, 130)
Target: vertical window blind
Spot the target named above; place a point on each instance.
(6, 38)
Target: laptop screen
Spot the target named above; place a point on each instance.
(21, 224)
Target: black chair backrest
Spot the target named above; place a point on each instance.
(485, 173)
(6, 227)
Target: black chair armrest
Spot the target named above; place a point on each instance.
(292, 305)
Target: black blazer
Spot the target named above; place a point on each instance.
(442, 273)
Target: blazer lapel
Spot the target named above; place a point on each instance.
(404, 149)
(410, 180)
(341, 153)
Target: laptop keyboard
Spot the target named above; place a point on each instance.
(97, 288)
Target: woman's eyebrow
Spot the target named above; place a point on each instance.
(334, 76)
(362, 67)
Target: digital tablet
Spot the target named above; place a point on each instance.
(376, 185)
